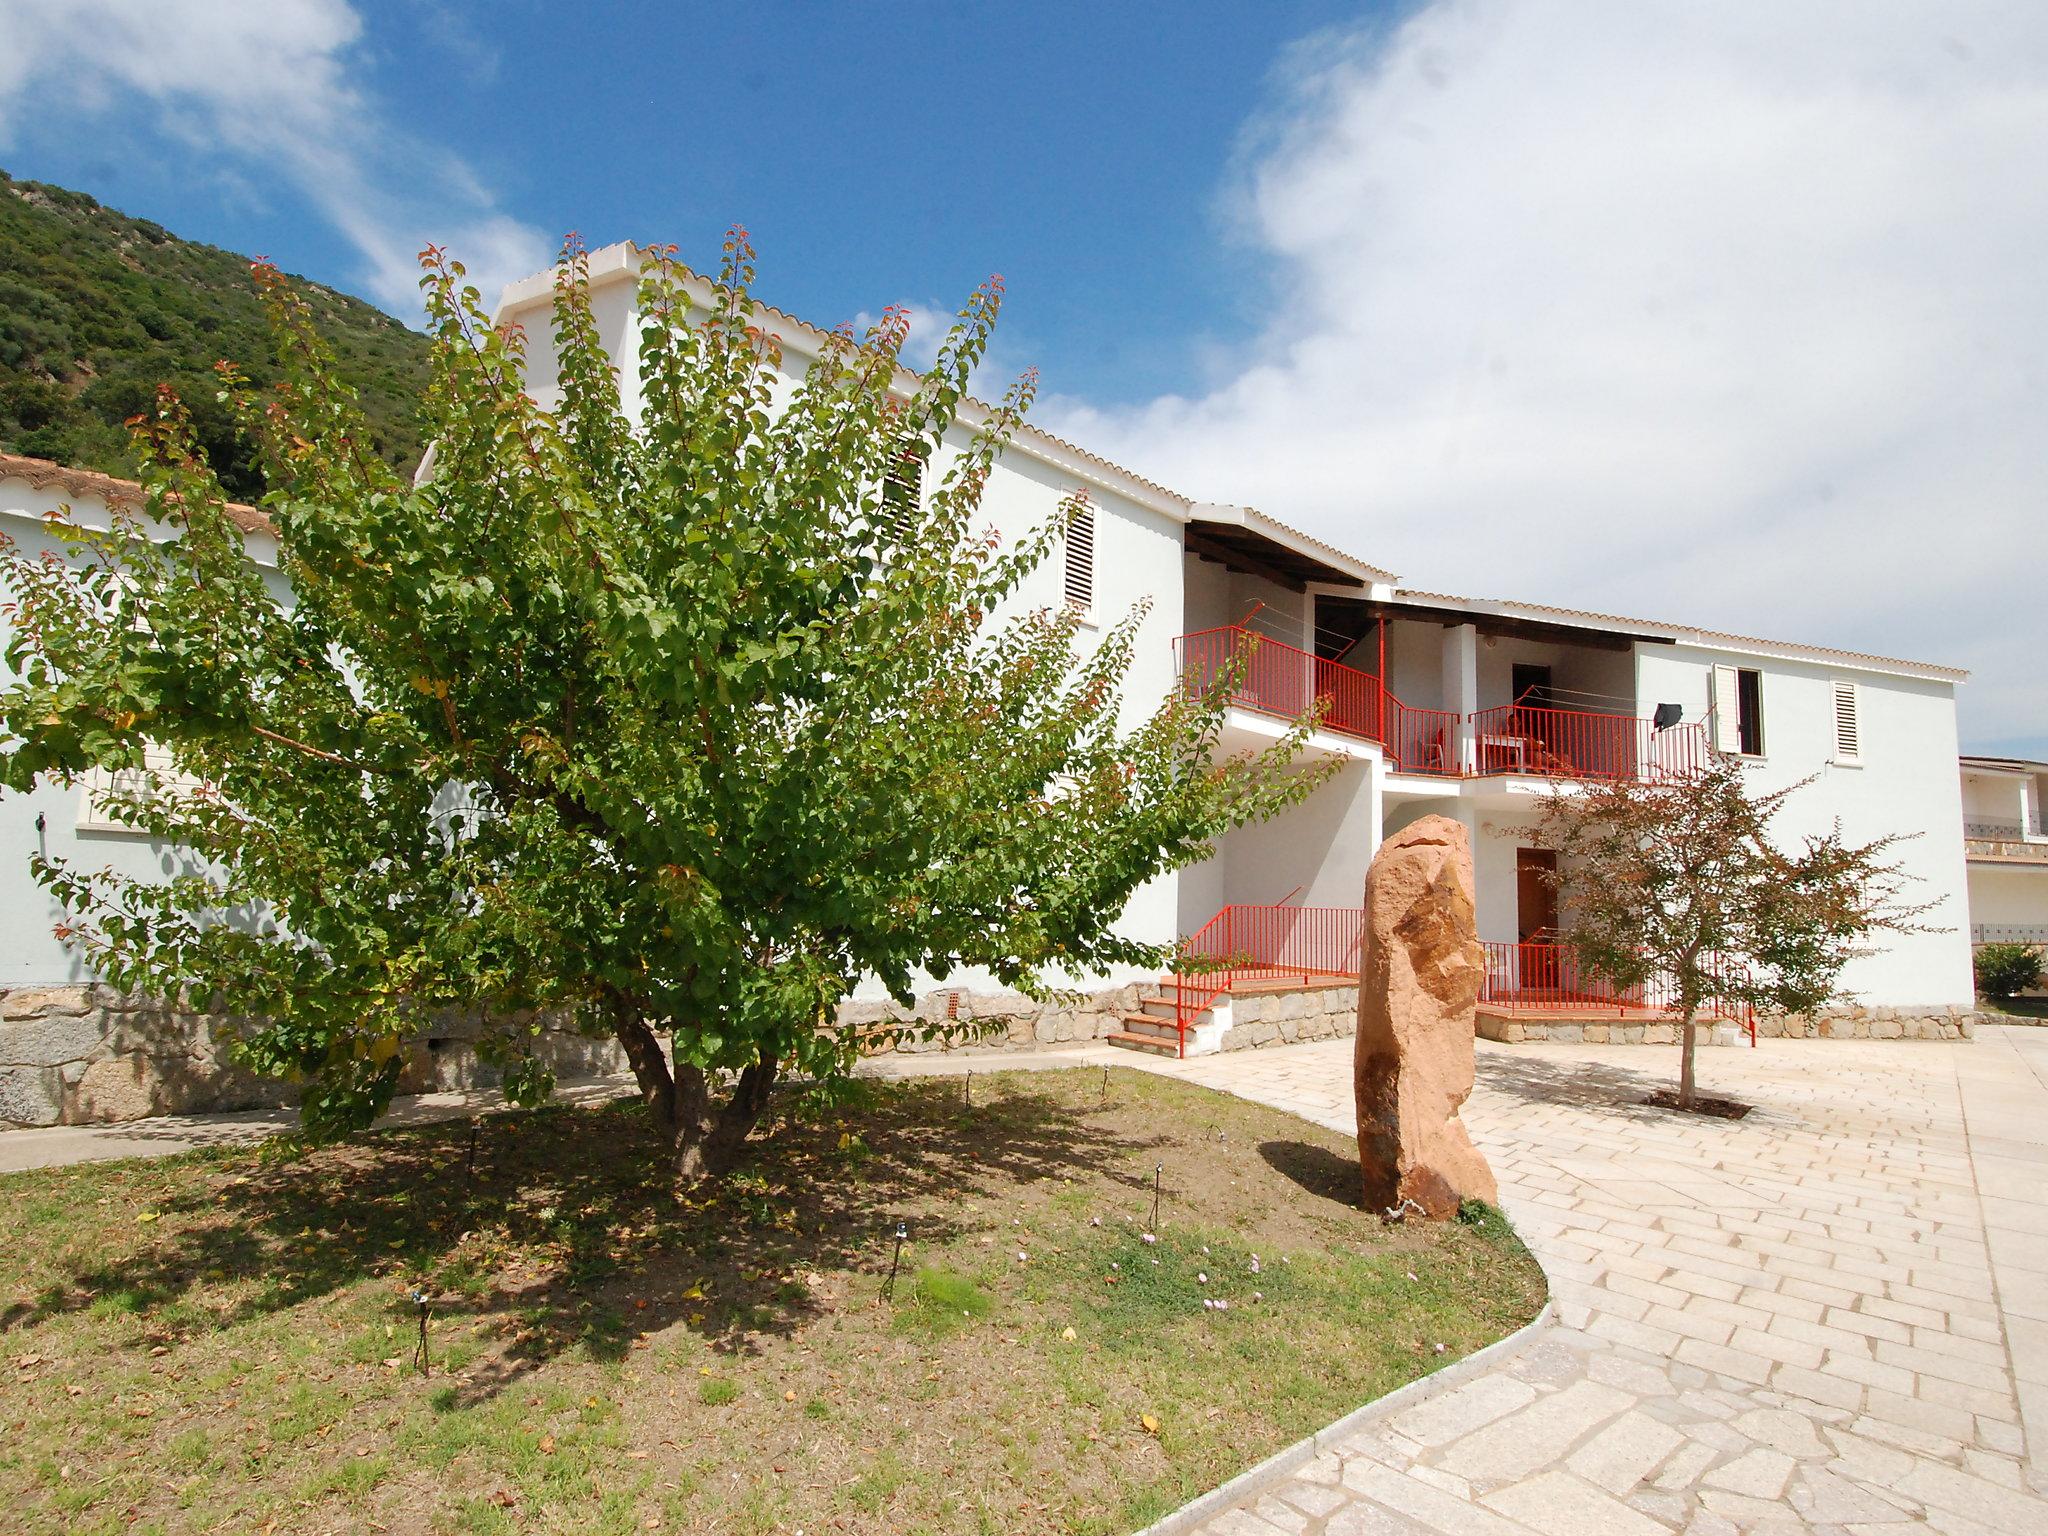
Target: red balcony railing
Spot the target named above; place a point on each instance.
(1549, 977)
(1574, 744)
(1276, 678)
(1250, 943)
(1281, 679)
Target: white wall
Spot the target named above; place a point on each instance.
(1907, 784)
(30, 953)
(1312, 855)
(2009, 896)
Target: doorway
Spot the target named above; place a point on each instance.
(1535, 896)
(1529, 685)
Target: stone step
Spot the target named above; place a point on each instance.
(1150, 1024)
(1152, 1043)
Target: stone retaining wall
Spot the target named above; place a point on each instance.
(1010, 1021)
(1282, 1018)
(83, 1055)
(1846, 1021)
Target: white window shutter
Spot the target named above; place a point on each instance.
(1726, 700)
(1081, 560)
(1848, 723)
(101, 785)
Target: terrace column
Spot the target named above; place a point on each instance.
(1461, 686)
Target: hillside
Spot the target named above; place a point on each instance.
(97, 309)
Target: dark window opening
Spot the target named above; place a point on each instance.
(1749, 712)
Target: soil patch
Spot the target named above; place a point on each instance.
(1722, 1109)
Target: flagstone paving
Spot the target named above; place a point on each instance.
(1830, 1316)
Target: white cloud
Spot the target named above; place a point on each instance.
(268, 86)
(1722, 313)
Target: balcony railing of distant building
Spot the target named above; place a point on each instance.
(1276, 678)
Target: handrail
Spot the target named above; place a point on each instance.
(1549, 976)
(1287, 681)
(1245, 941)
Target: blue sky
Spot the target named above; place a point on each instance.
(880, 153)
(1727, 315)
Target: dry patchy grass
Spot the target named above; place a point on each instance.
(224, 1340)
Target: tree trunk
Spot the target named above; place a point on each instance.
(1685, 1053)
(708, 1144)
(707, 1138)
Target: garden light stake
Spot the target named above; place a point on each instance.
(895, 1259)
(419, 1354)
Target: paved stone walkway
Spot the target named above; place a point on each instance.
(1831, 1316)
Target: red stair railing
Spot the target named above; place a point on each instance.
(1245, 943)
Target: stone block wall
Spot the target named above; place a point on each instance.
(86, 1054)
(1282, 1018)
(1012, 1021)
(1843, 1021)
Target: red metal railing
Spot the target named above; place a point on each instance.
(1423, 740)
(1573, 744)
(1276, 678)
(1549, 977)
(1280, 679)
(1248, 943)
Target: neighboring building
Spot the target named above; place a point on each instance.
(2005, 840)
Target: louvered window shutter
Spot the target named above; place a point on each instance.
(901, 489)
(1727, 710)
(1848, 723)
(1081, 560)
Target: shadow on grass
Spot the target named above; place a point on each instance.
(1316, 1170)
(577, 1201)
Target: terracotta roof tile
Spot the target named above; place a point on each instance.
(45, 475)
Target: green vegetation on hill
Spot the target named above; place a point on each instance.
(97, 309)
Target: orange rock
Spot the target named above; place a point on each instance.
(1412, 1062)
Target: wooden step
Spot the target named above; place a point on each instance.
(1152, 1043)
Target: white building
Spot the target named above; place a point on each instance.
(1465, 707)
(2005, 839)
(1459, 706)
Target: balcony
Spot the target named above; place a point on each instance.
(1282, 680)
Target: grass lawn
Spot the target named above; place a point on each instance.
(223, 1340)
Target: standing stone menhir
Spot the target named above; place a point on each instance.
(1412, 1064)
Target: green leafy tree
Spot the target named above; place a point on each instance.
(1675, 884)
(686, 723)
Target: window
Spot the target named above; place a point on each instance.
(1081, 560)
(1847, 722)
(1738, 699)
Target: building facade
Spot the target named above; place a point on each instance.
(1433, 704)
(2005, 840)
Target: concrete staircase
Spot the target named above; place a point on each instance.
(1151, 1028)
